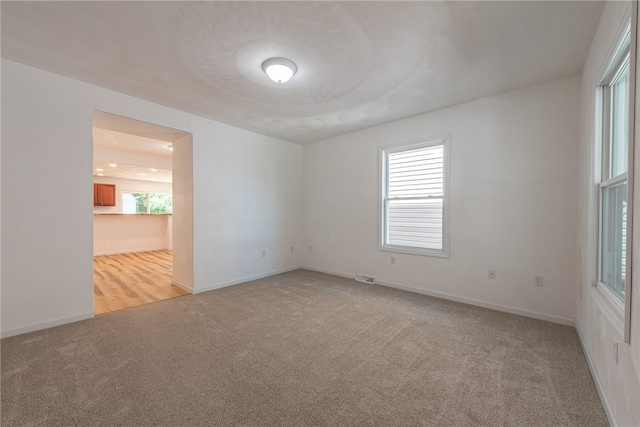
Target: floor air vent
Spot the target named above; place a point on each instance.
(365, 279)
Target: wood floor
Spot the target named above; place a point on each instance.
(129, 280)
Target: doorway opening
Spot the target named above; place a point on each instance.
(142, 194)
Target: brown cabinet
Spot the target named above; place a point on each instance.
(104, 195)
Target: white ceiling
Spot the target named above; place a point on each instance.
(162, 135)
(125, 155)
(132, 149)
(140, 173)
(359, 63)
(131, 143)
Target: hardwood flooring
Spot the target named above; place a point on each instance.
(129, 280)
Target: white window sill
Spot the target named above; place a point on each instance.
(611, 307)
(411, 251)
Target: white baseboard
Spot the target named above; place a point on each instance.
(188, 288)
(130, 251)
(596, 378)
(470, 301)
(45, 325)
(58, 322)
(335, 273)
(243, 280)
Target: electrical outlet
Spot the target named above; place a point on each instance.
(393, 260)
(615, 350)
(492, 274)
(538, 280)
(264, 254)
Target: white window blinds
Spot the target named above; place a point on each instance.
(414, 197)
(613, 185)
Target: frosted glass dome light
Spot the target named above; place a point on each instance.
(279, 70)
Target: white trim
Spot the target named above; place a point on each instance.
(148, 193)
(596, 147)
(478, 303)
(622, 50)
(131, 251)
(613, 181)
(464, 300)
(412, 251)
(610, 306)
(182, 286)
(596, 171)
(596, 378)
(45, 325)
(631, 158)
(614, 48)
(383, 151)
(243, 280)
(334, 273)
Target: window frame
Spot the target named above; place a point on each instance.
(148, 193)
(616, 310)
(445, 141)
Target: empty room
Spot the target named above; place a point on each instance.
(381, 213)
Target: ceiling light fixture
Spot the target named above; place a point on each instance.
(279, 70)
(99, 169)
(113, 165)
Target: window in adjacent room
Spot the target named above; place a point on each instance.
(149, 203)
(414, 208)
(615, 110)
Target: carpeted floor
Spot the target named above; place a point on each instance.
(300, 348)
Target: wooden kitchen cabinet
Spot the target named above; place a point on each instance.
(104, 195)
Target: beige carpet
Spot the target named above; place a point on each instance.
(301, 348)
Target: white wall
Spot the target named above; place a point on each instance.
(619, 383)
(182, 218)
(246, 197)
(513, 204)
(247, 200)
(129, 185)
(118, 234)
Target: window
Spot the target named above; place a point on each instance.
(613, 172)
(149, 203)
(613, 180)
(414, 204)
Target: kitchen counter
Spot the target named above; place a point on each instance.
(115, 233)
(128, 214)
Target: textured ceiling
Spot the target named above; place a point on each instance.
(359, 63)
